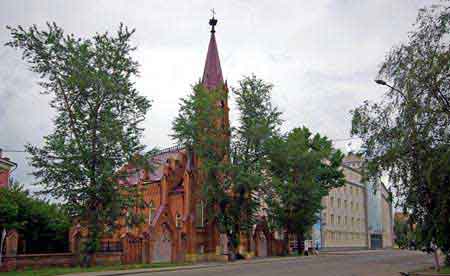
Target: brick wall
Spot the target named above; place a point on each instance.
(4, 176)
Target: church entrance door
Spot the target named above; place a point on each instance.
(162, 251)
(261, 243)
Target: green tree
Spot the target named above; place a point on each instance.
(44, 226)
(98, 111)
(258, 122)
(303, 168)
(201, 128)
(406, 134)
(401, 231)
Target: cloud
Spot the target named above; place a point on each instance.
(322, 57)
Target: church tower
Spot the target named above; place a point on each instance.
(212, 74)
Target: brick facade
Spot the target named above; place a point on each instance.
(6, 166)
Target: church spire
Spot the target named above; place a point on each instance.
(212, 74)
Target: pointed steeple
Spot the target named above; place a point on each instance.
(212, 74)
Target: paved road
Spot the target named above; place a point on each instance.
(379, 263)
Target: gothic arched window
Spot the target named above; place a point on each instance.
(151, 211)
(200, 214)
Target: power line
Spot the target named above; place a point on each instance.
(344, 139)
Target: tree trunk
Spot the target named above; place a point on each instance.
(2, 240)
(447, 258)
(286, 244)
(436, 260)
(300, 243)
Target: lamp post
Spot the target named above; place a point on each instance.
(382, 82)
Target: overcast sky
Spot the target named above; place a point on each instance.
(322, 57)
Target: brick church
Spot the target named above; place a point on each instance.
(176, 227)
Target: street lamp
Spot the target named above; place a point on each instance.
(382, 82)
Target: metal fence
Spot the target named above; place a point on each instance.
(109, 246)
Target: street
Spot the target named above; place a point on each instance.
(380, 263)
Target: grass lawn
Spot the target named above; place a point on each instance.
(445, 270)
(51, 271)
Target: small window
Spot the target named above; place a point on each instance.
(200, 214)
(177, 220)
(339, 219)
(345, 203)
(332, 201)
(332, 219)
(345, 220)
(339, 203)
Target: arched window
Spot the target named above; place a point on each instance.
(177, 220)
(200, 214)
(151, 211)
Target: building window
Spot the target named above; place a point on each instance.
(332, 202)
(200, 214)
(151, 211)
(353, 221)
(339, 220)
(345, 220)
(339, 203)
(324, 218)
(332, 219)
(351, 205)
(345, 203)
(177, 220)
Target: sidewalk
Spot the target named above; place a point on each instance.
(352, 252)
(185, 267)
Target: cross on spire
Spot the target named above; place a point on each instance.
(213, 21)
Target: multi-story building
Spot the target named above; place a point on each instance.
(344, 217)
(357, 215)
(380, 223)
(6, 166)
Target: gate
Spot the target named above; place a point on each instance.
(132, 250)
(261, 244)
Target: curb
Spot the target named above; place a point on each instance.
(187, 267)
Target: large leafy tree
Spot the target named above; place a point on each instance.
(303, 167)
(258, 122)
(407, 134)
(201, 128)
(98, 111)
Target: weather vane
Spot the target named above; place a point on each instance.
(213, 21)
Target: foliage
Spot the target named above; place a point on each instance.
(407, 133)
(401, 231)
(258, 122)
(202, 129)
(98, 111)
(303, 168)
(43, 226)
